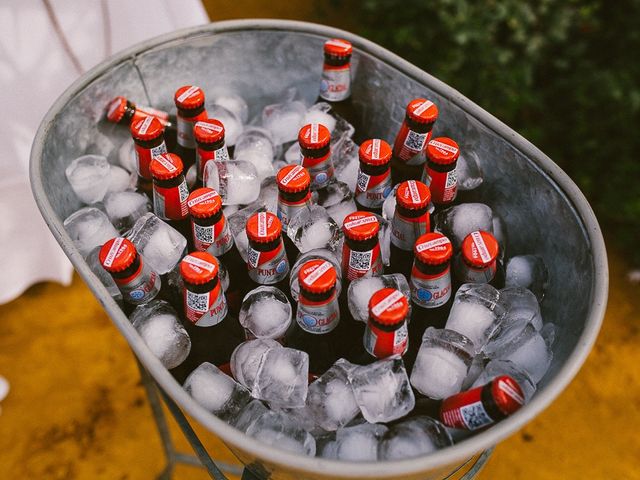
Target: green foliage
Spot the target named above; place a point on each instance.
(564, 73)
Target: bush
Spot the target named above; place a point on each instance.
(564, 73)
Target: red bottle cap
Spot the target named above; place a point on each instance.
(189, 97)
(479, 249)
(507, 394)
(117, 254)
(293, 178)
(116, 109)
(146, 128)
(413, 195)
(443, 150)
(198, 268)
(204, 202)
(314, 136)
(422, 110)
(208, 131)
(388, 306)
(433, 248)
(263, 227)
(317, 276)
(166, 166)
(375, 152)
(360, 225)
(338, 47)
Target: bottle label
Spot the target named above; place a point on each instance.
(142, 288)
(287, 211)
(320, 170)
(203, 156)
(215, 239)
(465, 410)
(267, 268)
(371, 191)
(410, 144)
(144, 157)
(466, 274)
(381, 344)
(430, 291)
(318, 319)
(205, 309)
(405, 231)
(185, 126)
(335, 85)
(171, 203)
(357, 264)
(443, 185)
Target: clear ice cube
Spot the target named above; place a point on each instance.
(127, 156)
(237, 226)
(282, 378)
(359, 443)
(313, 228)
(120, 180)
(265, 313)
(249, 414)
(89, 177)
(236, 181)
(281, 431)
(89, 228)
(232, 124)
(412, 438)
(527, 271)
(460, 220)
(284, 120)
(362, 289)
(247, 358)
(256, 146)
(105, 277)
(125, 208)
(234, 103)
(344, 154)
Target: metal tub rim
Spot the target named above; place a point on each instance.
(453, 455)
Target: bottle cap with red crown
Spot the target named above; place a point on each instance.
(388, 306)
(146, 128)
(375, 152)
(433, 249)
(443, 150)
(198, 268)
(117, 254)
(166, 166)
(189, 97)
(360, 226)
(338, 47)
(116, 109)
(507, 394)
(204, 202)
(422, 110)
(314, 136)
(317, 276)
(413, 195)
(208, 131)
(293, 178)
(263, 227)
(479, 249)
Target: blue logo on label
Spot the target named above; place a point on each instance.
(309, 321)
(321, 178)
(324, 86)
(281, 267)
(136, 294)
(387, 191)
(424, 295)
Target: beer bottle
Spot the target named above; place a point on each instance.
(318, 316)
(266, 258)
(335, 87)
(386, 332)
(293, 196)
(189, 102)
(415, 132)
(210, 233)
(209, 136)
(410, 220)
(361, 249)
(148, 136)
(374, 179)
(170, 192)
(136, 280)
(440, 171)
(214, 332)
(478, 262)
(315, 150)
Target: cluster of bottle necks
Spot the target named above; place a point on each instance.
(352, 303)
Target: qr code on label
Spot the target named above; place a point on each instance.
(198, 301)
(451, 179)
(415, 141)
(204, 234)
(360, 260)
(252, 257)
(183, 191)
(475, 416)
(363, 181)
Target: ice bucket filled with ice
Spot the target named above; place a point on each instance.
(331, 260)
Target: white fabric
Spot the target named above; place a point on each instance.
(34, 71)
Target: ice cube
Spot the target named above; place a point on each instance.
(382, 390)
(339, 211)
(527, 271)
(468, 171)
(232, 124)
(344, 155)
(268, 195)
(89, 228)
(326, 446)
(475, 370)
(159, 326)
(318, 253)
(359, 443)
(476, 312)
(293, 155)
(120, 180)
(216, 392)
(460, 220)
(330, 399)
(127, 156)
(302, 416)
(279, 430)
(237, 226)
(249, 414)
(283, 120)
(337, 199)
(125, 208)
(161, 246)
(105, 277)
(319, 113)
(237, 182)
(313, 228)
(389, 205)
(362, 289)
(255, 146)
(265, 313)
(283, 377)
(412, 438)
(500, 234)
(247, 358)
(384, 238)
(442, 363)
(89, 176)
(495, 368)
(233, 103)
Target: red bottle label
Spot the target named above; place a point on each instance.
(171, 203)
(382, 344)
(443, 185)
(356, 264)
(409, 144)
(144, 157)
(204, 156)
(215, 239)
(320, 170)
(267, 268)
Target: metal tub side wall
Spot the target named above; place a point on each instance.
(541, 205)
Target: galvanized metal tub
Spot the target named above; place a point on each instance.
(544, 211)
